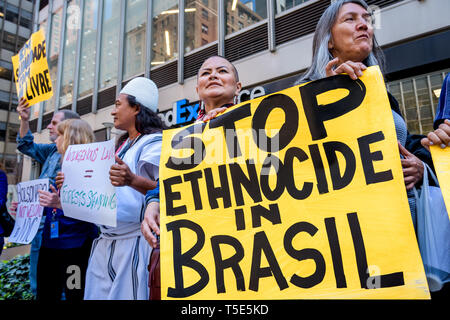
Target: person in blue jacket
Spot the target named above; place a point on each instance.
(49, 159)
(66, 242)
(3, 193)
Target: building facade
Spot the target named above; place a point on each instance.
(16, 20)
(96, 46)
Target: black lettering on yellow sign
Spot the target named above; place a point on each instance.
(258, 186)
(183, 257)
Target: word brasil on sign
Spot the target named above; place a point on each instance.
(311, 204)
(31, 71)
(87, 193)
(29, 211)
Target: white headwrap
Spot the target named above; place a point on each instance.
(145, 92)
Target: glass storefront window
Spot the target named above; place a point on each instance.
(165, 31)
(135, 27)
(53, 56)
(240, 14)
(283, 5)
(88, 49)
(69, 58)
(418, 98)
(201, 26)
(109, 46)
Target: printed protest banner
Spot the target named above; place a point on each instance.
(87, 193)
(294, 195)
(441, 161)
(28, 212)
(31, 71)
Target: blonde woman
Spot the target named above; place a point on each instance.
(66, 242)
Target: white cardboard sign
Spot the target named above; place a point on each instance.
(29, 211)
(87, 193)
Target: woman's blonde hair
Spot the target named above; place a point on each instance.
(75, 131)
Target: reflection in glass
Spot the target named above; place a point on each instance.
(68, 67)
(110, 39)
(200, 23)
(165, 31)
(88, 49)
(135, 24)
(243, 13)
(55, 39)
(283, 5)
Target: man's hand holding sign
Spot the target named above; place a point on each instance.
(298, 194)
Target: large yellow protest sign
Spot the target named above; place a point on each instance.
(441, 161)
(294, 195)
(31, 71)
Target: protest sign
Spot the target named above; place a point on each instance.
(31, 71)
(28, 212)
(441, 161)
(294, 195)
(87, 193)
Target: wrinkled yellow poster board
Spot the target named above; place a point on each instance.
(441, 161)
(295, 195)
(31, 72)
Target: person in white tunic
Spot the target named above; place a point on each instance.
(117, 268)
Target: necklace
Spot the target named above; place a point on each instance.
(129, 143)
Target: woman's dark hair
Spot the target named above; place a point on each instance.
(147, 121)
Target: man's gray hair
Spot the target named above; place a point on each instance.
(69, 114)
(322, 35)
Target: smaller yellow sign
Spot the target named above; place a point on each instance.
(31, 71)
(441, 161)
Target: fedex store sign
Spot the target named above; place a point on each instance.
(184, 112)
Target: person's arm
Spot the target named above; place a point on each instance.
(150, 224)
(412, 168)
(121, 175)
(23, 110)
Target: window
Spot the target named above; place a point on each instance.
(69, 58)
(164, 40)
(26, 18)
(418, 98)
(12, 13)
(283, 5)
(243, 13)
(204, 14)
(53, 55)
(9, 41)
(201, 23)
(5, 73)
(88, 49)
(2, 131)
(204, 29)
(135, 27)
(109, 47)
(12, 132)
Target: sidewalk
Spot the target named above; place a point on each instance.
(10, 253)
